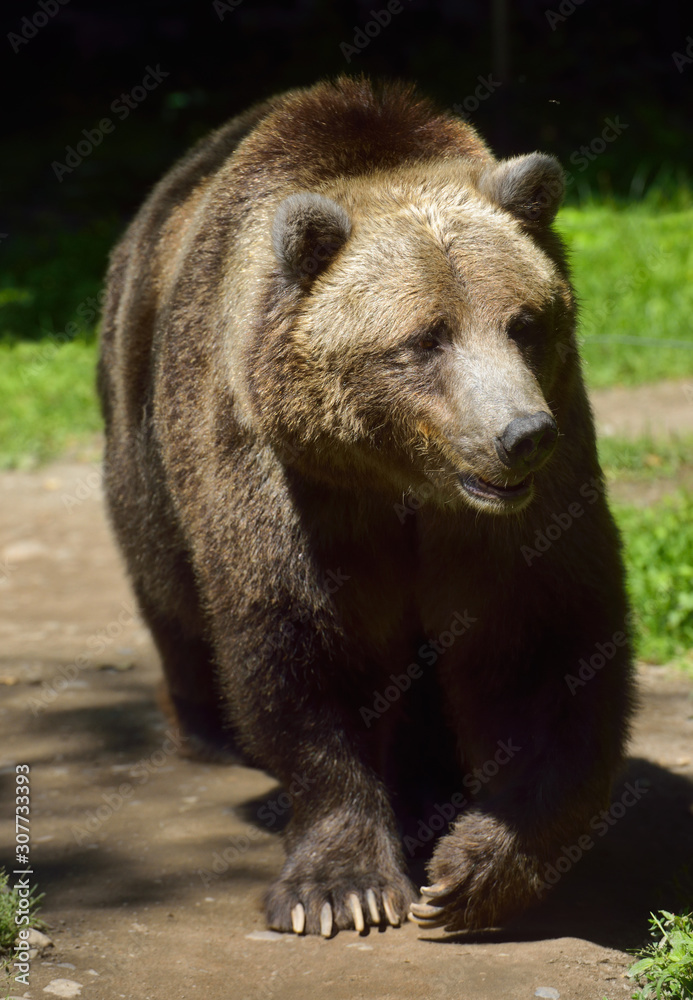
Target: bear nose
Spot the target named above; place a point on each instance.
(527, 442)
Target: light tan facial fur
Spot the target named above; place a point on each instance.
(424, 256)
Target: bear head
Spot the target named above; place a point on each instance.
(414, 326)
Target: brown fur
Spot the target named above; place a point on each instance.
(295, 394)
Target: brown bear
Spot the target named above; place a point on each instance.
(352, 468)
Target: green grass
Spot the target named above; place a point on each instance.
(49, 307)
(633, 268)
(50, 281)
(658, 548)
(633, 271)
(645, 458)
(49, 400)
(665, 969)
(9, 908)
(658, 544)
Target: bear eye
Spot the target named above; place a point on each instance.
(519, 326)
(430, 340)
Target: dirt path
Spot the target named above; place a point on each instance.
(659, 409)
(153, 866)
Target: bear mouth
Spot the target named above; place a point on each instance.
(481, 489)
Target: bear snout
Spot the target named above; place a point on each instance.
(527, 442)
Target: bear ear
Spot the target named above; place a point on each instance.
(307, 232)
(530, 187)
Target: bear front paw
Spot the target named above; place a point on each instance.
(481, 876)
(305, 906)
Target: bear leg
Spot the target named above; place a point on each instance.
(344, 864)
(342, 872)
(189, 696)
(550, 783)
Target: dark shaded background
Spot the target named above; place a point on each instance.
(561, 75)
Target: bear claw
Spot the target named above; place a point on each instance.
(390, 911)
(425, 915)
(310, 908)
(298, 918)
(431, 891)
(373, 906)
(356, 912)
(326, 920)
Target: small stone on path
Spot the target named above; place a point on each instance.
(37, 939)
(63, 988)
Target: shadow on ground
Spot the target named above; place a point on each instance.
(640, 858)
